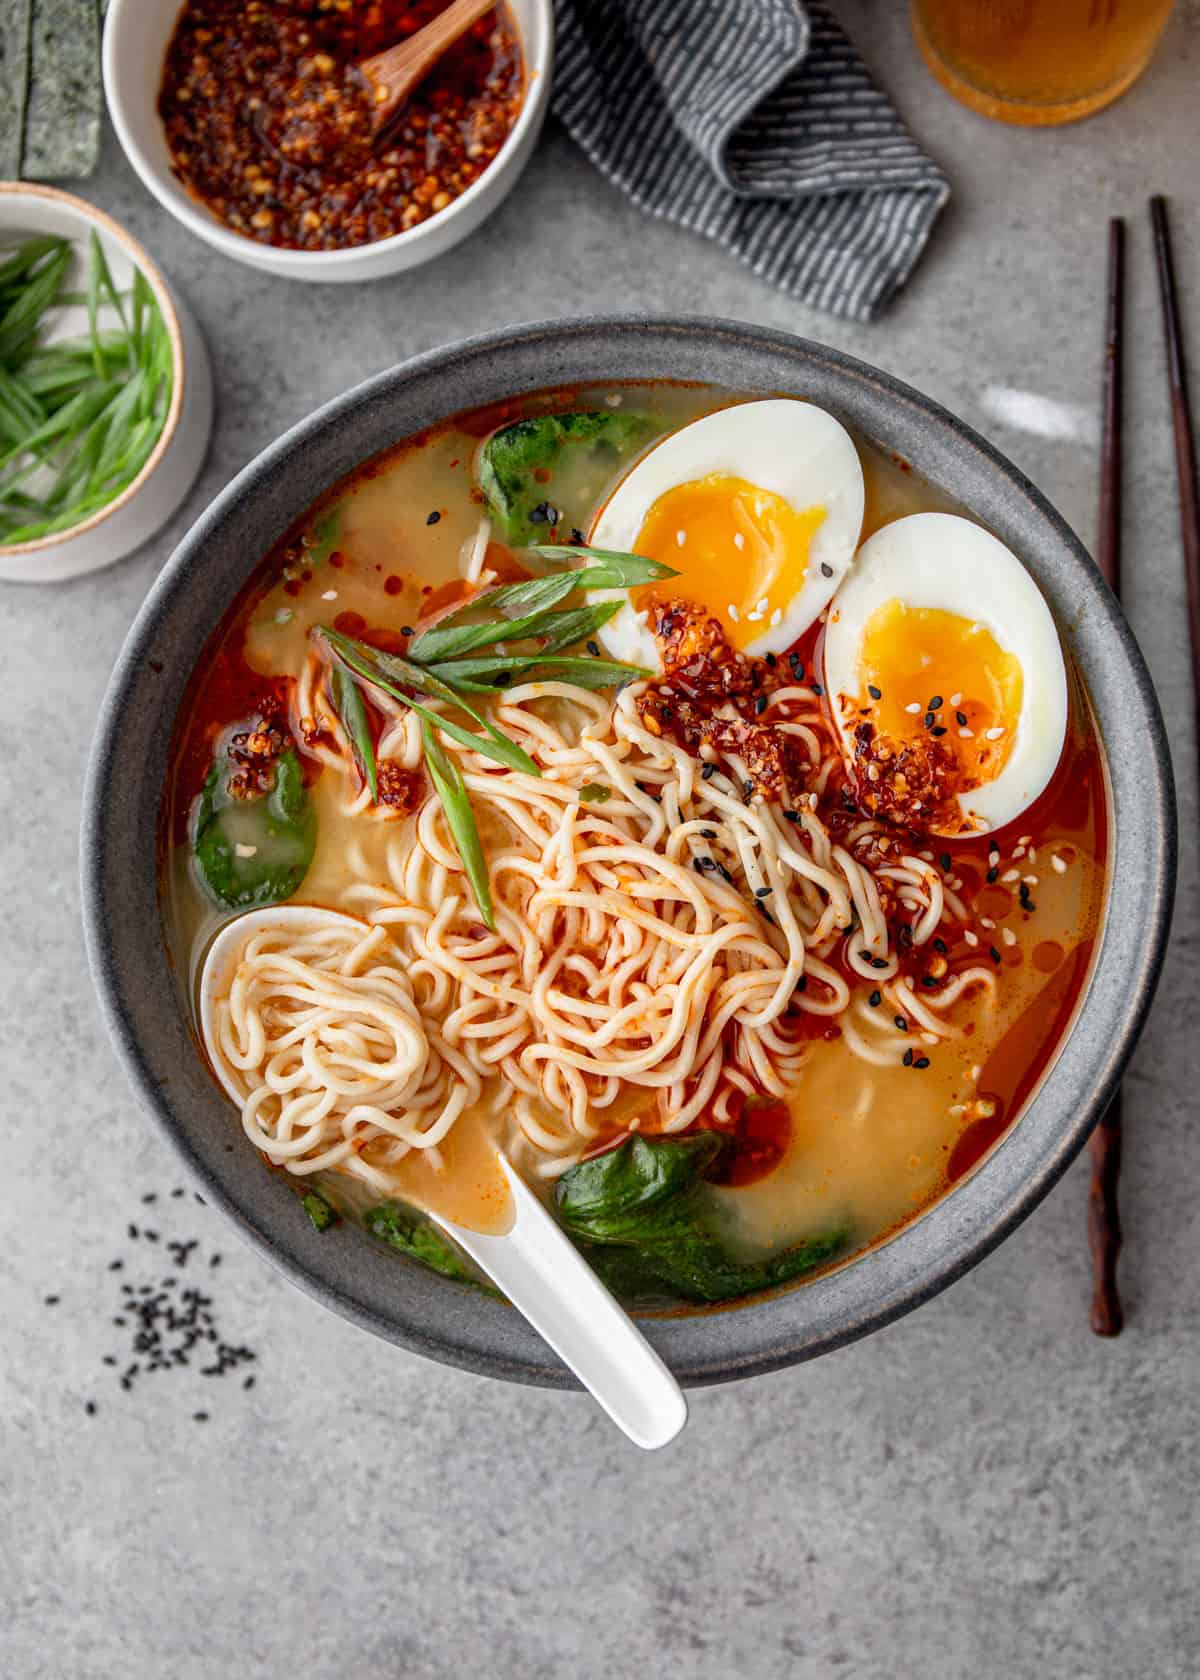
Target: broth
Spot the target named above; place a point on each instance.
(867, 1147)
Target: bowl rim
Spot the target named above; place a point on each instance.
(205, 225)
(162, 292)
(964, 1225)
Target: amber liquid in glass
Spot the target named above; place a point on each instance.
(1038, 61)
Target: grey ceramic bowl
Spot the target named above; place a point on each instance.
(399, 1300)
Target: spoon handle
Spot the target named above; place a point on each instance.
(550, 1283)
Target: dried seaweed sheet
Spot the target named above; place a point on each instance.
(62, 116)
(14, 83)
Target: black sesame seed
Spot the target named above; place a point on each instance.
(771, 661)
(930, 720)
(133, 1233)
(724, 873)
(150, 1236)
(934, 704)
(747, 789)
(928, 981)
(961, 718)
(946, 861)
(215, 1261)
(200, 1417)
(708, 772)
(992, 875)
(994, 954)
(908, 1058)
(763, 892)
(938, 729)
(760, 705)
(791, 816)
(940, 945)
(708, 834)
(176, 1193)
(905, 936)
(875, 693)
(577, 536)
(817, 689)
(802, 983)
(826, 569)
(115, 1265)
(89, 1407)
(248, 1382)
(877, 962)
(544, 514)
(594, 649)
(875, 999)
(109, 1359)
(433, 517)
(921, 1062)
(502, 679)
(405, 630)
(149, 1197)
(900, 1022)
(51, 1300)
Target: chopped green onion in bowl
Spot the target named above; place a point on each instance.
(80, 416)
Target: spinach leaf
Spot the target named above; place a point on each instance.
(645, 1218)
(252, 852)
(414, 1234)
(320, 1210)
(511, 457)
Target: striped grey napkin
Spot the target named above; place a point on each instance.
(755, 123)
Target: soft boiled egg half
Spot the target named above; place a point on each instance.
(758, 508)
(945, 676)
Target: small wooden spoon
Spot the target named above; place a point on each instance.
(392, 75)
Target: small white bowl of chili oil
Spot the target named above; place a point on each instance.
(245, 122)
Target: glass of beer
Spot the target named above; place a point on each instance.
(1038, 61)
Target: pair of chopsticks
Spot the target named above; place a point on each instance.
(1104, 1220)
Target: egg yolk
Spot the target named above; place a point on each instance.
(741, 552)
(923, 670)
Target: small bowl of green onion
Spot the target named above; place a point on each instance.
(105, 389)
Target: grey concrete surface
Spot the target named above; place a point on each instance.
(982, 1490)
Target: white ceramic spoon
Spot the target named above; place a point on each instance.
(534, 1263)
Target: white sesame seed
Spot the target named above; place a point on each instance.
(993, 858)
(956, 699)
(680, 538)
(1030, 880)
(986, 922)
(762, 605)
(1059, 866)
(329, 595)
(739, 540)
(966, 734)
(812, 801)
(926, 856)
(776, 617)
(1011, 875)
(733, 612)
(245, 851)
(754, 618)
(1033, 854)
(1024, 839)
(929, 1038)
(972, 939)
(975, 1072)
(992, 734)
(1018, 852)
(957, 1110)
(1008, 936)
(914, 708)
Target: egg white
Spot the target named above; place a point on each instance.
(938, 560)
(793, 449)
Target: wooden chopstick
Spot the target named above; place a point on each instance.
(1104, 1216)
(1181, 417)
